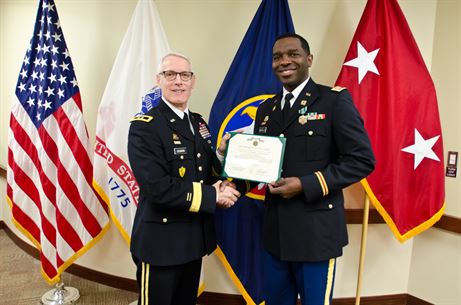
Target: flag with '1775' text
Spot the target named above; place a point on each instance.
(130, 90)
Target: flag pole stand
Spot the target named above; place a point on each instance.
(60, 295)
(363, 246)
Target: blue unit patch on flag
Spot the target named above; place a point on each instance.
(151, 99)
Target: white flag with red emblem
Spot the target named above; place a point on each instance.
(132, 76)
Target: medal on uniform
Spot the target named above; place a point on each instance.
(302, 111)
(203, 130)
(182, 171)
(311, 116)
(302, 119)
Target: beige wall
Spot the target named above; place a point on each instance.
(210, 33)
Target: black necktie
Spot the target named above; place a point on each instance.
(286, 106)
(186, 122)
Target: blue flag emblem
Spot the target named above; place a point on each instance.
(248, 83)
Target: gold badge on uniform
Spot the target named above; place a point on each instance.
(303, 103)
(176, 139)
(302, 119)
(308, 94)
(182, 171)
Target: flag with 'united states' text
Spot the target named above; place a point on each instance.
(129, 91)
(50, 173)
(394, 92)
(248, 83)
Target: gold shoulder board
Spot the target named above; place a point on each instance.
(142, 118)
(338, 88)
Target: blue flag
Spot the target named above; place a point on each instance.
(248, 83)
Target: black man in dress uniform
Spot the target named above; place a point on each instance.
(327, 149)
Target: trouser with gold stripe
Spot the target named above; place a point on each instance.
(168, 285)
(283, 281)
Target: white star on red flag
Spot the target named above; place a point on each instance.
(364, 61)
(422, 148)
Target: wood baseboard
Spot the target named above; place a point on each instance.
(206, 298)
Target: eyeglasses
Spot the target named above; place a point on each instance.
(171, 75)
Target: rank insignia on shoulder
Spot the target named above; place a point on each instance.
(142, 118)
(338, 88)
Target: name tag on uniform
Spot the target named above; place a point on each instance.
(180, 151)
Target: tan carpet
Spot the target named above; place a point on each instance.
(22, 284)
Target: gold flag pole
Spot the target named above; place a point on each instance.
(363, 246)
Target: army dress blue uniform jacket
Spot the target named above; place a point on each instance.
(328, 148)
(174, 221)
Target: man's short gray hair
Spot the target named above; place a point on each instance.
(175, 54)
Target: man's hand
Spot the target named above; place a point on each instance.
(223, 145)
(227, 183)
(226, 195)
(286, 187)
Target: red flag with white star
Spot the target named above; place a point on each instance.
(394, 93)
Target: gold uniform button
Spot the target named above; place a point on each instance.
(201, 181)
(209, 141)
(330, 206)
(310, 132)
(200, 168)
(281, 135)
(199, 155)
(165, 220)
(182, 157)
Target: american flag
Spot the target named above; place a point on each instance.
(50, 173)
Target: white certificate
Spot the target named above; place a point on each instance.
(254, 157)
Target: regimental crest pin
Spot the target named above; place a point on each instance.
(182, 171)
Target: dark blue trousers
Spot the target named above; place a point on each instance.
(283, 281)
